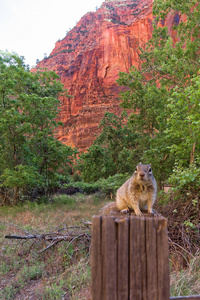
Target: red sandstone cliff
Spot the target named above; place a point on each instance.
(89, 60)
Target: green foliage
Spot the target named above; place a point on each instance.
(186, 181)
(112, 151)
(76, 177)
(96, 163)
(117, 138)
(84, 187)
(54, 291)
(32, 272)
(183, 124)
(30, 157)
(107, 186)
(163, 93)
(112, 183)
(149, 120)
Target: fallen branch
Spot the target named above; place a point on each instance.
(72, 234)
(19, 237)
(75, 238)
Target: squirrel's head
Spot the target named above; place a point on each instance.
(143, 172)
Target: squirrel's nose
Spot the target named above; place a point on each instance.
(142, 174)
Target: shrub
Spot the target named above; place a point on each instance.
(107, 186)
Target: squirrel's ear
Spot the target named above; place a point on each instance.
(140, 163)
(150, 165)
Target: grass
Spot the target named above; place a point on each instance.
(57, 273)
(54, 274)
(187, 281)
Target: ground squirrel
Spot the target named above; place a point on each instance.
(138, 192)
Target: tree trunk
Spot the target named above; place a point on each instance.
(192, 153)
(16, 197)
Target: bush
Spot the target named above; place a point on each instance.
(186, 181)
(107, 186)
(76, 177)
(83, 187)
(112, 183)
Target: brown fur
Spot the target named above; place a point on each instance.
(136, 194)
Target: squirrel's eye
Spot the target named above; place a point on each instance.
(149, 170)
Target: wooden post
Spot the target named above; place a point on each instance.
(129, 258)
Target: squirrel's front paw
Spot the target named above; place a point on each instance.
(139, 214)
(124, 211)
(151, 213)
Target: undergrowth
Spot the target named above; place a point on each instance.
(183, 217)
(60, 272)
(187, 281)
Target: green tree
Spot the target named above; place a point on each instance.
(183, 68)
(113, 151)
(96, 163)
(158, 91)
(120, 142)
(184, 122)
(31, 159)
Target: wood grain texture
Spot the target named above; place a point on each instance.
(129, 259)
(109, 255)
(162, 259)
(123, 258)
(143, 257)
(151, 259)
(135, 260)
(96, 259)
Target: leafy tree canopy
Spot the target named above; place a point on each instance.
(30, 157)
(164, 92)
(112, 151)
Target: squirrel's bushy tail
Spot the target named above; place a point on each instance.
(109, 208)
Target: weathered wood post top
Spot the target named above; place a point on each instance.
(129, 258)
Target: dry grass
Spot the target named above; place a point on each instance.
(187, 281)
(55, 273)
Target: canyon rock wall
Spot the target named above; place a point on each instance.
(89, 59)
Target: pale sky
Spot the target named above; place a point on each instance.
(31, 28)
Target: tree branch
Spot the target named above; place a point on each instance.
(72, 234)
